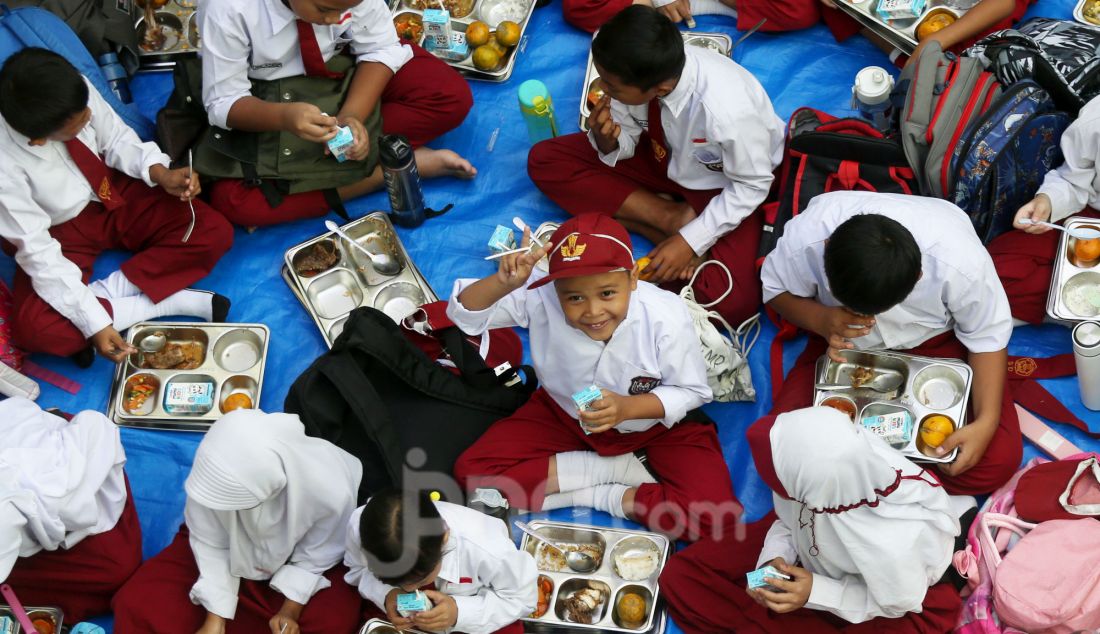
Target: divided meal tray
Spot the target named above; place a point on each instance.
(181, 32)
(233, 359)
(378, 626)
(1087, 12)
(466, 12)
(929, 387)
(1074, 294)
(351, 281)
(718, 42)
(612, 542)
(49, 613)
(901, 33)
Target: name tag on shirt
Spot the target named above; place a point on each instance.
(267, 65)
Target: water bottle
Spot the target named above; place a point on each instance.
(1086, 351)
(116, 76)
(538, 110)
(402, 181)
(871, 94)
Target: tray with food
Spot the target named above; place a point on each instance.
(176, 32)
(1088, 12)
(332, 277)
(913, 402)
(591, 91)
(378, 626)
(186, 375)
(46, 620)
(1075, 286)
(480, 38)
(620, 595)
(904, 23)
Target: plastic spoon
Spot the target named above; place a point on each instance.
(881, 383)
(381, 262)
(522, 226)
(1081, 233)
(576, 560)
(17, 609)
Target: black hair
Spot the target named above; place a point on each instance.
(640, 47)
(40, 91)
(402, 534)
(872, 263)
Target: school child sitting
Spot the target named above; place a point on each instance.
(778, 15)
(261, 547)
(69, 534)
(597, 325)
(475, 578)
(77, 181)
(280, 76)
(869, 271)
(865, 536)
(681, 150)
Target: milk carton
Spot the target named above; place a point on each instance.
(189, 398)
(341, 143)
(437, 28)
(457, 51)
(895, 428)
(410, 603)
(900, 9)
(759, 578)
(503, 239)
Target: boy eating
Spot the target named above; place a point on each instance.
(597, 326)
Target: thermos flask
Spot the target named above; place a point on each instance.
(872, 96)
(402, 181)
(1086, 350)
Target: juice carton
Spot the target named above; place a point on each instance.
(900, 9)
(759, 578)
(437, 28)
(340, 143)
(584, 398)
(410, 603)
(895, 428)
(189, 398)
(503, 239)
(457, 50)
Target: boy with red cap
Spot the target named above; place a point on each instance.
(597, 325)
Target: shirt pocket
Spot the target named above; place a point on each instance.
(708, 155)
(636, 376)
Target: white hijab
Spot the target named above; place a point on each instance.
(60, 481)
(263, 484)
(857, 506)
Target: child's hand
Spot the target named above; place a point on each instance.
(442, 616)
(677, 11)
(515, 268)
(604, 413)
(306, 120)
(672, 259)
(111, 344)
(839, 325)
(213, 624)
(282, 624)
(361, 147)
(179, 182)
(1038, 210)
(793, 594)
(604, 129)
(392, 616)
(972, 441)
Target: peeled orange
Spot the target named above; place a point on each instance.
(1087, 250)
(935, 429)
(237, 401)
(933, 23)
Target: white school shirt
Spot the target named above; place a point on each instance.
(258, 39)
(958, 289)
(492, 582)
(721, 133)
(1076, 182)
(60, 481)
(653, 350)
(41, 187)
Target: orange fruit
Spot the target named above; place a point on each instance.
(935, 429)
(508, 33)
(477, 34)
(486, 57)
(496, 46)
(237, 401)
(631, 608)
(935, 22)
(641, 264)
(1087, 250)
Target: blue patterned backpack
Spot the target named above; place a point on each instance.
(1004, 154)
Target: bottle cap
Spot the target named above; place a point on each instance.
(435, 496)
(873, 85)
(1086, 336)
(532, 90)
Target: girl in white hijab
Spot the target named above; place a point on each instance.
(862, 532)
(265, 502)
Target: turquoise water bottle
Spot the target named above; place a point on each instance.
(538, 110)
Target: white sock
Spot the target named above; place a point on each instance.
(114, 286)
(606, 497)
(188, 303)
(712, 7)
(583, 469)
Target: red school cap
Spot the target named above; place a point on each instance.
(588, 244)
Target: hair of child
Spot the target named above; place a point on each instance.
(872, 263)
(640, 46)
(40, 91)
(402, 534)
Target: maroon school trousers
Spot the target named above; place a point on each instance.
(81, 580)
(782, 15)
(568, 170)
(704, 585)
(156, 599)
(694, 495)
(424, 100)
(151, 225)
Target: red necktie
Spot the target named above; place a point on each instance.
(657, 131)
(96, 171)
(311, 52)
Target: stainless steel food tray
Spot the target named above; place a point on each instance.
(604, 577)
(1079, 13)
(929, 386)
(352, 282)
(234, 358)
(378, 626)
(181, 31)
(718, 42)
(1075, 286)
(33, 612)
(902, 34)
(481, 12)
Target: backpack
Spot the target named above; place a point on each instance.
(104, 26)
(378, 396)
(826, 154)
(1002, 157)
(1060, 55)
(31, 26)
(938, 95)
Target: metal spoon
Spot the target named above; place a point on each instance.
(881, 383)
(1081, 233)
(576, 560)
(153, 343)
(382, 262)
(190, 203)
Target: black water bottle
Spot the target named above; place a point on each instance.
(116, 76)
(402, 181)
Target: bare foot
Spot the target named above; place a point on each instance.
(435, 163)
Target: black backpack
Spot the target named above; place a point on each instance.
(104, 26)
(378, 396)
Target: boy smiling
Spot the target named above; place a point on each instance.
(598, 325)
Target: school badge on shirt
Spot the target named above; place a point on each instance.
(571, 250)
(104, 192)
(643, 385)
